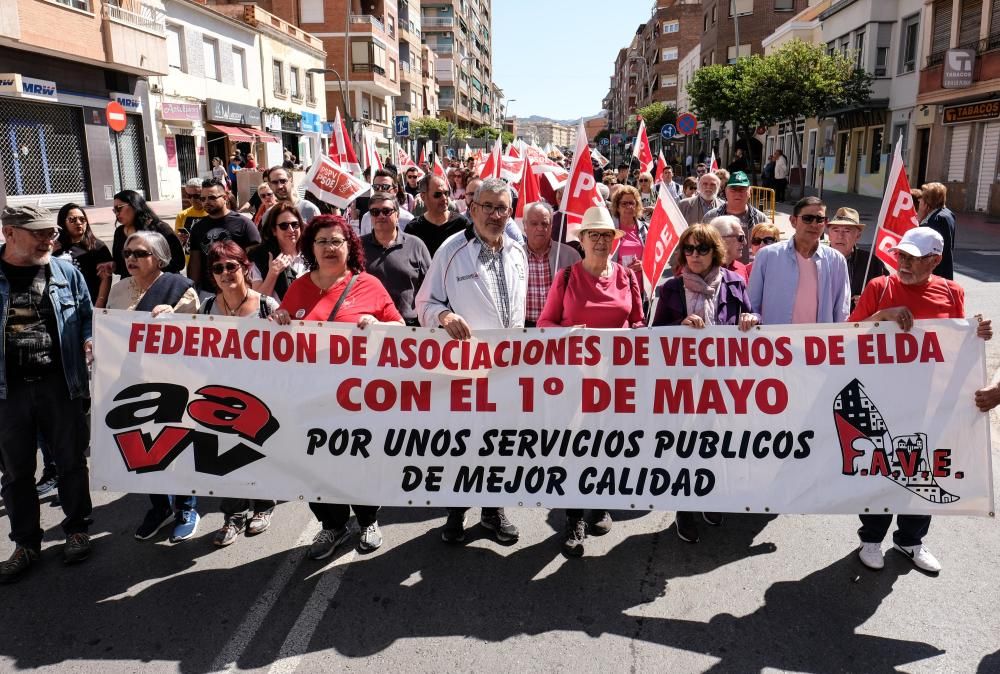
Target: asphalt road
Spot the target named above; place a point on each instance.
(758, 594)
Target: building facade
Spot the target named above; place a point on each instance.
(958, 114)
(55, 142)
(547, 132)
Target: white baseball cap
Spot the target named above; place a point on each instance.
(920, 241)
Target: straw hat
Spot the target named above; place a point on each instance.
(598, 219)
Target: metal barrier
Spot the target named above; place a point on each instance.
(762, 198)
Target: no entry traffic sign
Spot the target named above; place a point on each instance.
(116, 116)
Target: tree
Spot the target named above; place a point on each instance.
(801, 80)
(425, 127)
(656, 115)
(489, 133)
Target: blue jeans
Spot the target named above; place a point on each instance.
(910, 529)
(163, 503)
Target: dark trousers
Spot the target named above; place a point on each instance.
(486, 511)
(236, 506)
(335, 515)
(577, 513)
(43, 406)
(910, 529)
(779, 189)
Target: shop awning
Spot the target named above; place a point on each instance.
(235, 133)
(265, 137)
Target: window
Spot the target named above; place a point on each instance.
(391, 25)
(941, 27)
(859, 50)
(278, 75)
(670, 53)
(668, 81)
(910, 33)
(715, 14)
(743, 7)
(83, 5)
(311, 11)
(175, 47)
(368, 57)
(671, 26)
(842, 141)
(731, 52)
(883, 38)
(784, 5)
(705, 28)
(211, 58)
(392, 70)
(293, 82)
(875, 156)
(240, 67)
(310, 88)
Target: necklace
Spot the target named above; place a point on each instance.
(232, 312)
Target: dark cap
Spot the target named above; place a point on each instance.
(28, 217)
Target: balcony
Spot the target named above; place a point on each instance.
(367, 68)
(446, 103)
(409, 73)
(366, 23)
(134, 35)
(281, 92)
(255, 16)
(409, 29)
(985, 72)
(437, 23)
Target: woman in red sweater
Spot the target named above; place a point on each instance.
(595, 293)
(337, 289)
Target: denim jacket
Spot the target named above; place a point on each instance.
(74, 318)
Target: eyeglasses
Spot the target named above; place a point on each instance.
(383, 188)
(265, 195)
(443, 193)
(225, 267)
(280, 181)
(43, 234)
(118, 209)
(381, 211)
(283, 226)
(82, 219)
(599, 236)
(739, 237)
(137, 254)
(645, 180)
(323, 243)
(499, 211)
(701, 249)
(767, 240)
(811, 219)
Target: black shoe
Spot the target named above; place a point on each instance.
(687, 527)
(502, 529)
(18, 564)
(76, 548)
(713, 519)
(47, 482)
(576, 533)
(600, 522)
(453, 530)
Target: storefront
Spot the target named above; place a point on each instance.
(231, 127)
(183, 134)
(971, 138)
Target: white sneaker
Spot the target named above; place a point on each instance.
(921, 557)
(871, 555)
(371, 538)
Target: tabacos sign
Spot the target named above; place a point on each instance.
(28, 87)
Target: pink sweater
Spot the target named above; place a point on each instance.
(597, 302)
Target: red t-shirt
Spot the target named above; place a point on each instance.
(937, 298)
(305, 301)
(598, 302)
(742, 269)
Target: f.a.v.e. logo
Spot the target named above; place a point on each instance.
(221, 410)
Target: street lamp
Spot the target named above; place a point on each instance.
(343, 93)
(505, 107)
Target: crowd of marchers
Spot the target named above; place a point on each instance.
(431, 251)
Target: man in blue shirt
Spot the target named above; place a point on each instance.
(799, 280)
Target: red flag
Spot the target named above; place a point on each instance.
(422, 159)
(713, 165)
(438, 169)
(528, 189)
(405, 162)
(641, 150)
(897, 214)
(491, 169)
(345, 151)
(512, 151)
(580, 192)
(661, 164)
(665, 229)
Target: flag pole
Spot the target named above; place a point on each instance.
(897, 164)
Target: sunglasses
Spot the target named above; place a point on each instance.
(381, 211)
(137, 254)
(224, 267)
(438, 195)
(767, 240)
(284, 226)
(701, 249)
(73, 219)
(265, 195)
(383, 188)
(117, 209)
(810, 219)
(739, 237)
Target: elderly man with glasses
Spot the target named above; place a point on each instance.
(45, 314)
(192, 191)
(800, 281)
(478, 280)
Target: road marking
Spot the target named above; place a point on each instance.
(297, 642)
(242, 636)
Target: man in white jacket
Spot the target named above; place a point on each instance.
(478, 280)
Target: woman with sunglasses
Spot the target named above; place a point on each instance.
(147, 287)
(596, 293)
(337, 289)
(230, 268)
(702, 292)
(276, 262)
(762, 234)
(626, 209)
(88, 253)
(135, 215)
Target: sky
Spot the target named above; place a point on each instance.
(583, 35)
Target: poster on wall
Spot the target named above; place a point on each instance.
(171, 146)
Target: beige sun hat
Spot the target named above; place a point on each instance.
(598, 219)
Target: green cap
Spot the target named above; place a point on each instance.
(738, 179)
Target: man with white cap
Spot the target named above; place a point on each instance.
(477, 280)
(45, 321)
(913, 293)
(844, 230)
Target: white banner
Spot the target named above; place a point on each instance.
(791, 419)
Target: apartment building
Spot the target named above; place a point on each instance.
(545, 132)
(958, 113)
(460, 34)
(55, 143)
